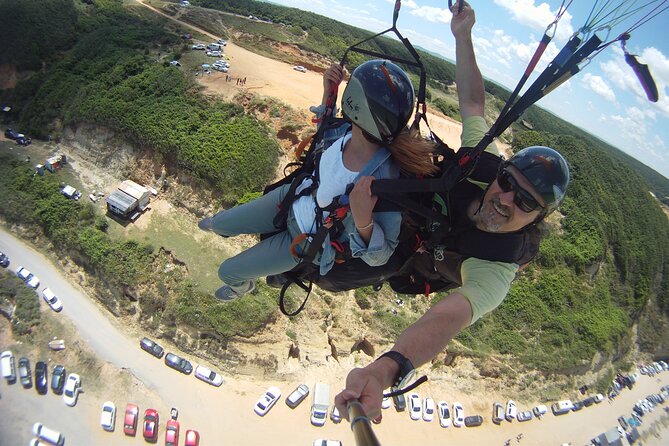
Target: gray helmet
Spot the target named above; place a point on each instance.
(546, 170)
(379, 98)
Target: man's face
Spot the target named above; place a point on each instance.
(499, 212)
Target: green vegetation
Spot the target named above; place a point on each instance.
(13, 292)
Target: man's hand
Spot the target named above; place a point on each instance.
(364, 385)
(463, 21)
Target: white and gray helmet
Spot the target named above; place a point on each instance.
(379, 98)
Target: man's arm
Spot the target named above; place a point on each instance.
(471, 95)
(419, 343)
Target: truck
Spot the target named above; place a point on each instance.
(320, 404)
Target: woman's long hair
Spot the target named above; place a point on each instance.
(413, 153)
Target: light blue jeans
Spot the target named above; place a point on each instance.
(270, 256)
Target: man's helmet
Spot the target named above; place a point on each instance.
(379, 98)
(546, 170)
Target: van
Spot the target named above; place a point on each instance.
(44, 433)
(498, 414)
(320, 404)
(8, 366)
(562, 407)
(214, 47)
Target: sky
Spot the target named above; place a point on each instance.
(605, 98)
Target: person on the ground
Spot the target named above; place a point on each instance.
(378, 101)
(528, 187)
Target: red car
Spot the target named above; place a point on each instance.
(151, 422)
(192, 438)
(172, 433)
(130, 420)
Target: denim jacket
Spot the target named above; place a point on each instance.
(386, 230)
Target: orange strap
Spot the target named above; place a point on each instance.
(296, 241)
(300, 148)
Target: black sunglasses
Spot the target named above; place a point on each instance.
(522, 198)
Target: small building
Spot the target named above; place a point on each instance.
(121, 204)
(55, 163)
(139, 193)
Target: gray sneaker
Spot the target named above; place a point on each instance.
(205, 224)
(276, 280)
(226, 293)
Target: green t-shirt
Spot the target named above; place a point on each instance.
(484, 283)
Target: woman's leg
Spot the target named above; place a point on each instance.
(254, 217)
(270, 256)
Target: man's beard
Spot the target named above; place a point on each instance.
(488, 218)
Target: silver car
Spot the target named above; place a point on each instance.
(297, 396)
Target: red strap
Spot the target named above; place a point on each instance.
(427, 289)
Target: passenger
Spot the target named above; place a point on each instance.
(527, 188)
(378, 101)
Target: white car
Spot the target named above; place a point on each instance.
(222, 42)
(511, 410)
(29, 278)
(458, 415)
(108, 416)
(414, 406)
(386, 403)
(72, 389)
(334, 415)
(221, 68)
(208, 376)
(198, 46)
(599, 398)
(214, 53)
(267, 401)
(444, 414)
(540, 410)
(428, 409)
(300, 68)
(52, 300)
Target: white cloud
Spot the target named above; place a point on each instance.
(537, 16)
(598, 86)
(432, 14)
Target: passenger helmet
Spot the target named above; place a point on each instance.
(546, 170)
(379, 98)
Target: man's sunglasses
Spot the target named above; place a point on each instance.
(522, 198)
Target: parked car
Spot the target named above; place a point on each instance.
(444, 414)
(561, 407)
(428, 409)
(589, 401)
(267, 401)
(108, 416)
(25, 375)
(151, 347)
(214, 53)
(52, 300)
(178, 363)
(20, 138)
(297, 396)
(300, 68)
(525, 415)
(175, 63)
(208, 376)
(386, 403)
(599, 398)
(58, 379)
(498, 413)
(45, 435)
(220, 67)
(41, 378)
(4, 260)
(414, 406)
(321, 442)
(458, 415)
(198, 46)
(334, 415)
(172, 432)
(623, 422)
(31, 280)
(151, 425)
(130, 419)
(540, 410)
(72, 389)
(222, 42)
(473, 420)
(400, 402)
(578, 405)
(192, 438)
(8, 366)
(511, 410)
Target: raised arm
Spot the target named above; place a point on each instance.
(471, 96)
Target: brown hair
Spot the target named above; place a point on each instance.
(413, 153)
